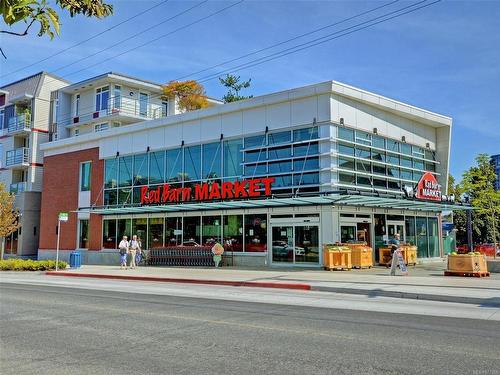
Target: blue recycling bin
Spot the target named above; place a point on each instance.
(75, 259)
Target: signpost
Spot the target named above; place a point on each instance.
(63, 216)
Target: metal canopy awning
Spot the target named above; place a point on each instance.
(321, 199)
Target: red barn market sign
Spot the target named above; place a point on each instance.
(428, 188)
(167, 193)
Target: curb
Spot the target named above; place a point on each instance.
(249, 284)
(420, 296)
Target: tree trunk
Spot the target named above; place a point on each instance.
(2, 247)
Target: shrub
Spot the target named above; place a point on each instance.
(30, 265)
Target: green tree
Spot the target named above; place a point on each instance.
(478, 185)
(234, 87)
(30, 12)
(8, 216)
(459, 216)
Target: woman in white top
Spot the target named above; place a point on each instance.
(134, 247)
(123, 246)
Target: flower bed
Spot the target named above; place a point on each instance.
(30, 265)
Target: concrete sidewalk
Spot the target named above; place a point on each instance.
(424, 282)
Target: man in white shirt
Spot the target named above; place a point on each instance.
(134, 248)
(124, 248)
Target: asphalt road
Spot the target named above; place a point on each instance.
(62, 330)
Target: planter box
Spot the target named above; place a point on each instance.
(465, 264)
(337, 257)
(361, 255)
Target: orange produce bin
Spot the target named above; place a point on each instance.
(336, 257)
(409, 254)
(361, 255)
(467, 265)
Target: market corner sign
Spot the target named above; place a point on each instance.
(166, 193)
(428, 188)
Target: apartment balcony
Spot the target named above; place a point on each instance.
(18, 187)
(126, 110)
(19, 124)
(17, 158)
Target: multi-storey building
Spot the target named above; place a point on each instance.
(275, 176)
(25, 117)
(495, 161)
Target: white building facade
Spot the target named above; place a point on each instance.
(340, 160)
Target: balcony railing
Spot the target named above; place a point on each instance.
(18, 187)
(19, 123)
(18, 156)
(123, 106)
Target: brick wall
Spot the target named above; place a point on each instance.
(60, 194)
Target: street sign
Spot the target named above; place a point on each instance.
(63, 216)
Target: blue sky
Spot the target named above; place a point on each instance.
(445, 58)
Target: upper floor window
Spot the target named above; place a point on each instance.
(85, 170)
(102, 98)
(164, 108)
(117, 96)
(77, 132)
(1, 118)
(143, 104)
(101, 127)
(77, 105)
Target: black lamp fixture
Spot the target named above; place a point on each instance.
(403, 139)
(117, 153)
(147, 149)
(375, 131)
(221, 136)
(341, 121)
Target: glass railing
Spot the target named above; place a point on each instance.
(18, 187)
(17, 156)
(19, 123)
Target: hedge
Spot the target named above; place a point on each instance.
(30, 265)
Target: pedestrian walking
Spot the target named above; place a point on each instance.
(134, 248)
(395, 243)
(123, 247)
(140, 253)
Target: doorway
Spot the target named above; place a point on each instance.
(394, 227)
(296, 243)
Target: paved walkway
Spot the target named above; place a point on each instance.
(424, 281)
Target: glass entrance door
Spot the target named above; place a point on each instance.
(295, 244)
(282, 244)
(394, 227)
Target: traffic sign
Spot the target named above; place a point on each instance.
(63, 216)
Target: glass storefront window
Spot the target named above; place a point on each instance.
(280, 152)
(211, 230)
(124, 228)
(282, 181)
(422, 241)
(256, 233)
(393, 172)
(362, 152)
(410, 230)
(362, 180)
(110, 173)
(347, 178)
(141, 169)
(308, 164)
(379, 169)
(173, 231)
(257, 155)
(418, 164)
(140, 229)
(124, 196)
(233, 232)
(255, 141)
(345, 133)
(212, 160)
(279, 138)
(174, 165)
(192, 231)
(394, 185)
(305, 134)
(233, 157)
(405, 148)
(363, 166)
(418, 151)
(110, 197)
(256, 169)
(380, 232)
(393, 159)
(392, 145)
(83, 234)
(306, 244)
(125, 171)
(280, 167)
(363, 137)
(156, 167)
(433, 236)
(192, 163)
(155, 235)
(380, 183)
(378, 141)
(346, 163)
(306, 149)
(346, 150)
(406, 162)
(306, 179)
(378, 155)
(406, 175)
(109, 234)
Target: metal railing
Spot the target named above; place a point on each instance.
(17, 156)
(122, 106)
(18, 187)
(19, 123)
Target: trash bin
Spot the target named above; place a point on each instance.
(75, 259)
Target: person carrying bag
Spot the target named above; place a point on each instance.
(123, 247)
